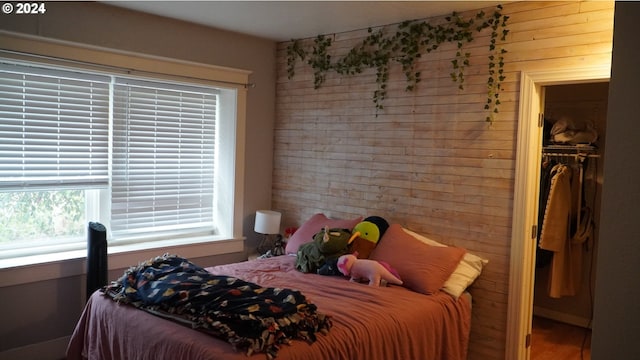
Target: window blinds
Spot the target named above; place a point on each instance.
(158, 160)
(54, 129)
(163, 157)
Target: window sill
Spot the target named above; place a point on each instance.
(35, 268)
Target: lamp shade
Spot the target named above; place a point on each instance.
(267, 222)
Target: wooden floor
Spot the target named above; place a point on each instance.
(552, 340)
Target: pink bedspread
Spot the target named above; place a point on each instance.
(368, 323)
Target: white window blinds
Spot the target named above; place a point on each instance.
(164, 140)
(54, 128)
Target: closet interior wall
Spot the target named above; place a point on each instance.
(589, 102)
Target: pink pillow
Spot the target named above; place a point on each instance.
(318, 221)
(422, 268)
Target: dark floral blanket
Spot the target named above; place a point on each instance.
(251, 318)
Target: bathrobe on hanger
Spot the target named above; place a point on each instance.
(566, 266)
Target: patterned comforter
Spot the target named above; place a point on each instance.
(250, 317)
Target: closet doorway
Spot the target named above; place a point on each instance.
(572, 149)
(533, 88)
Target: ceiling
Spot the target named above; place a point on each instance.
(286, 20)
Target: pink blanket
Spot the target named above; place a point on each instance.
(368, 322)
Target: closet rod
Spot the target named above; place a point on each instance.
(570, 154)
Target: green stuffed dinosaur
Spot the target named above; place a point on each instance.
(328, 243)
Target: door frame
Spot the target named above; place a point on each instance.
(525, 197)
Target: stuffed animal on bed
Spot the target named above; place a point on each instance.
(328, 243)
(330, 267)
(364, 239)
(366, 235)
(371, 270)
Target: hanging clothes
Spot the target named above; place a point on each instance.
(556, 235)
(544, 257)
(582, 231)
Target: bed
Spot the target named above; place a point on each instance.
(368, 322)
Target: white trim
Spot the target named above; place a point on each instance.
(520, 273)
(73, 263)
(47, 350)
(128, 62)
(525, 199)
(240, 137)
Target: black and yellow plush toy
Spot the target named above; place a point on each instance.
(366, 235)
(363, 240)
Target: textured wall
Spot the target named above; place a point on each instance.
(428, 161)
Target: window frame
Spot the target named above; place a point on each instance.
(233, 84)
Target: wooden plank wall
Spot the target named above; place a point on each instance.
(429, 161)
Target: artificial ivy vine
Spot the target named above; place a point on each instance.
(496, 63)
(405, 47)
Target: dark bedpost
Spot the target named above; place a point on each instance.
(96, 257)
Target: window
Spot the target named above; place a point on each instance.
(163, 158)
(54, 129)
(139, 155)
(38, 217)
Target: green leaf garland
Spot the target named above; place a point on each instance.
(406, 46)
